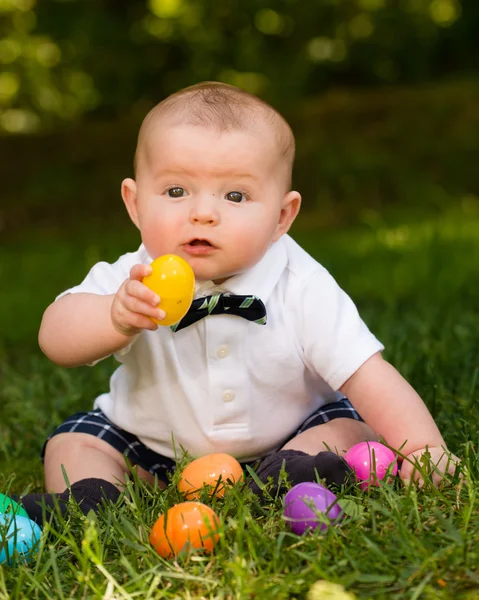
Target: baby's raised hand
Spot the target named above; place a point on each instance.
(440, 462)
(134, 304)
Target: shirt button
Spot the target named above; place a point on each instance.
(222, 352)
(228, 395)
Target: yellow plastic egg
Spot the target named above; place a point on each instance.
(174, 282)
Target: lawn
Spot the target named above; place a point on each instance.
(416, 283)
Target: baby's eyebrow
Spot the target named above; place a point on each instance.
(227, 174)
(235, 175)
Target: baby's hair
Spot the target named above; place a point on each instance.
(223, 107)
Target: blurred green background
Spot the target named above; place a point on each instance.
(382, 95)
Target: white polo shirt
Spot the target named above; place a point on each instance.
(225, 384)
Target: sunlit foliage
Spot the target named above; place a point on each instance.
(63, 59)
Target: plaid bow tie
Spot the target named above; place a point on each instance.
(248, 307)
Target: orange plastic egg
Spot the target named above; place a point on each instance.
(212, 470)
(185, 526)
(174, 282)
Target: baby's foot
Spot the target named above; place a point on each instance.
(301, 467)
(88, 493)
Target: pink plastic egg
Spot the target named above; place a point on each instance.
(371, 461)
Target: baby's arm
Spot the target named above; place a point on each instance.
(81, 328)
(393, 409)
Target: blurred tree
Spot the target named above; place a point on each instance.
(63, 60)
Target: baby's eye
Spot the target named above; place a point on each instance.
(235, 197)
(176, 192)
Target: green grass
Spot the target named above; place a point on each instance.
(417, 286)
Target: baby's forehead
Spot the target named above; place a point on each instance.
(187, 137)
(220, 110)
(256, 123)
(165, 132)
(199, 151)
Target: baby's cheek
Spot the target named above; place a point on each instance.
(157, 239)
(251, 244)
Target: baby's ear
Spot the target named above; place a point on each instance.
(128, 193)
(289, 210)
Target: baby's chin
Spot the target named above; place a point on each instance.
(222, 280)
(217, 276)
(217, 279)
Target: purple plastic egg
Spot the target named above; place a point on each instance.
(304, 501)
(371, 461)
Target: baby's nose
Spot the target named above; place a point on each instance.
(205, 211)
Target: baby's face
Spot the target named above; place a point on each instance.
(214, 198)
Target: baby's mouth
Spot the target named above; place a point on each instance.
(198, 242)
(199, 247)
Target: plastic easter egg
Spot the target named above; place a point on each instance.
(371, 461)
(186, 526)
(327, 590)
(9, 506)
(19, 538)
(304, 501)
(174, 282)
(213, 470)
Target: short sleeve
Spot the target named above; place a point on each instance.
(334, 338)
(106, 278)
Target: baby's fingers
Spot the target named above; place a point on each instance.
(139, 271)
(138, 290)
(428, 464)
(141, 300)
(409, 473)
(142, 309)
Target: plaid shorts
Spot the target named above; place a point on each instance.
(96, 423)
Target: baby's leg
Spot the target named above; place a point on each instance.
(317, 448)
(95, 472)
(337, 435)
(84, 456)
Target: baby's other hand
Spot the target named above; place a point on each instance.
(134, 304)
(441, 462)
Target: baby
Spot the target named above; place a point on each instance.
(294, 378)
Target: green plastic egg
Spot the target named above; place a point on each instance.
(9, 506)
